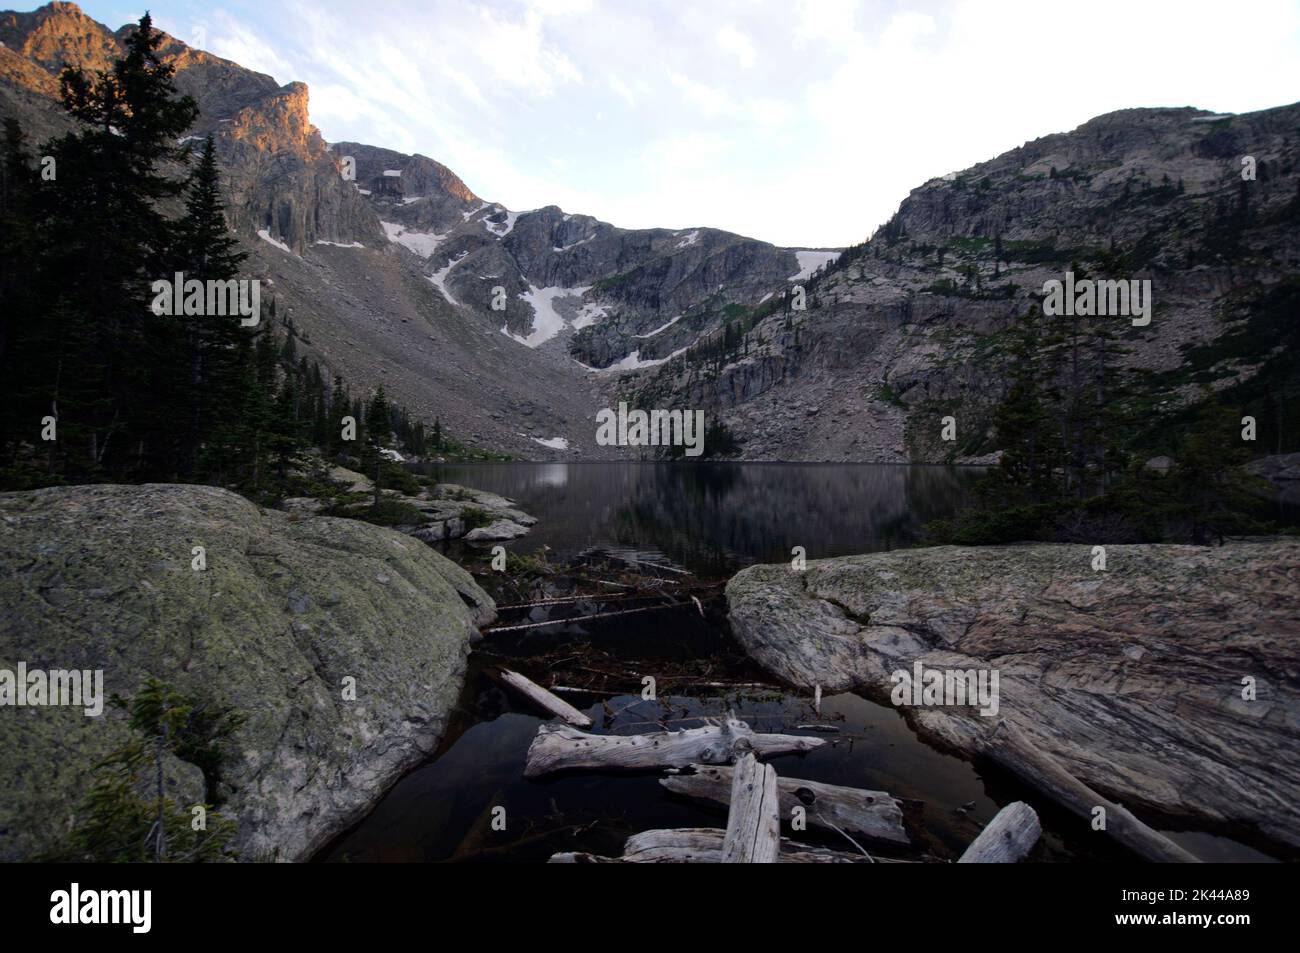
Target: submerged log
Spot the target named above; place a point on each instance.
(541, 698)
(1011, 835)
(828, 807)
(1012, 750)
(753, 824)
(560, 748)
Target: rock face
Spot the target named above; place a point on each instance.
(1132, 678)
(390, 277)
(100, 577)
(1283, 475)
(905, 330)
(446, 510)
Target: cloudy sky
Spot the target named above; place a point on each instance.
(801, 122)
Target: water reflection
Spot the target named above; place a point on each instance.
(715, 518)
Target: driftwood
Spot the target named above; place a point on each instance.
(1011, 835)
(560, 748)
(582, 618)
(541, 698)
(753, 824)
(1012, 750)
(703, 845)
(829, 807)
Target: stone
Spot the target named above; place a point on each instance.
(495, 531)
(285, 610)
(1132, 678)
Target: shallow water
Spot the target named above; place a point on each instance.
(712, 519)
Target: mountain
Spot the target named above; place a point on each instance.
(910, 327)
(386, 264)
(515, 327)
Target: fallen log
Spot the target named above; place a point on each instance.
(540, 697)
(828, 807)
(1007, 838)
(581, 618)
(753, 824)
(703, 845)
(561, 748)
(1008, 747)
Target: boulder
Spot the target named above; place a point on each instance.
(1282, 473)
(496, 530)
(301, 505)
(356, 482)
(1133, 678)
(101, 577)
(498, 507)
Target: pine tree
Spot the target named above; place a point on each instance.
(104, 224)
(23, 335)
(378, 432)
(207, 251)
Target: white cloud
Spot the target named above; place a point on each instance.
(661, 113)
(519, 55)
(738, 45)
(709, 100)
(233, 41)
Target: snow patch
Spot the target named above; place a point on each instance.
(765, 297)
(812, 261)
(393, 173)
(633, 362)
(265, 236)
(589, 314)
(662, 327)
(690, 239)
(340, 244)
(423, 244)
(553, 443)
(439, 278)
(546, 321)
(502, 229)
(581, 241)
(391, 455)
(472, 212)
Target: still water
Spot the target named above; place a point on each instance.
(717, 518)
(712, 519)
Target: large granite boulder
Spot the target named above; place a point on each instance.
(101, 577)
(1131, 677)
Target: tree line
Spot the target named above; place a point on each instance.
(99, 387)
(1080, 437)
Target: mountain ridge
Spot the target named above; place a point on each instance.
(514, 327)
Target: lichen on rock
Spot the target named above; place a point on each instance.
(286, 610)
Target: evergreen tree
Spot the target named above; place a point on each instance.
(103, 223)
(207, 251)
(378, 433)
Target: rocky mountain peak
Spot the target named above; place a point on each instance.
(279, 121)
(58, 35)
